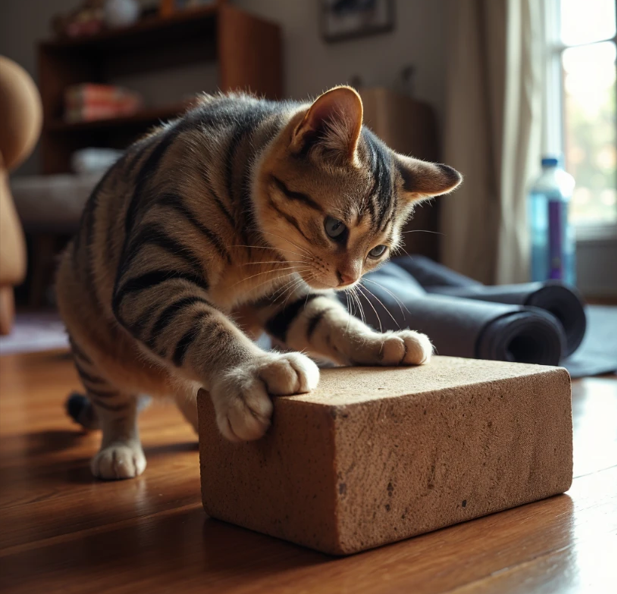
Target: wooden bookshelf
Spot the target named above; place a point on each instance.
(149, 30)
(149, 116)
(245, 49)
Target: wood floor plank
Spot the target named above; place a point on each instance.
(62, 531)
(184, 549)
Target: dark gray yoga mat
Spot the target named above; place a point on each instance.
(461, 327)
(597, 354)
(561, 301)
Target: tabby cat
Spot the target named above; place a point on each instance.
(242, 215)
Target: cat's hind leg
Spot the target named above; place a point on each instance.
(81, 410)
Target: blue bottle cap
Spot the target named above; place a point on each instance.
(550, 161)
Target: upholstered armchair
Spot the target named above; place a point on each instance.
(20, 126)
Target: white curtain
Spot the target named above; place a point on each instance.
(493, 130)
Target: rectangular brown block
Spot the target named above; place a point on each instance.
(378, 455)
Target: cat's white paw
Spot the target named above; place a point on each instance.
(407, 347)
(241, 396)
(404, 347)
(119, 461)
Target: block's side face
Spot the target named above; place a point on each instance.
(281, 484)
(417, 463)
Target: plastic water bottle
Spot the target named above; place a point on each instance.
(552, 236)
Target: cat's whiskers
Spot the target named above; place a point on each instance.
(271, 271)
(361, 305)
(422, 231)
(290, 284)
(310, 276)
(402, 249)
(279, 290)
(361, 286)
(354, 296)
(354, 303)
(301, 248)
(348, 311)
(399, 302)
(291, 291)
(354, 293)
(272, 280)
(286, 239)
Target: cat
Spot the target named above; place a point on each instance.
(240, 216)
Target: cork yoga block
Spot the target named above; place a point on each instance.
(378, 455)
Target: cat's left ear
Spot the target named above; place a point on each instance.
(421, 179)
(334, 122)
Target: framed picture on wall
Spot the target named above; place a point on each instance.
(347, 19)
(169, 7)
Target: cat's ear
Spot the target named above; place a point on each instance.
(334, 122)
(421, 179)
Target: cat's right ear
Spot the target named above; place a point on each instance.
(334, 122)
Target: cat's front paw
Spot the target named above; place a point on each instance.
(404, 347)
(241, 396)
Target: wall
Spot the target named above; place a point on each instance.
(311, 64)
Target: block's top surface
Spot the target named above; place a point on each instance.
(351, 385)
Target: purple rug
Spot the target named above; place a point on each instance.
(33, 332)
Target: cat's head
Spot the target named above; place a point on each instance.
(332, 198)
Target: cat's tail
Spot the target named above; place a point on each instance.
(80, 409)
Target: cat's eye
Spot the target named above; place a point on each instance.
(334, 228)
(378, 251)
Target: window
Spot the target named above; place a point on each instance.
(581, 110)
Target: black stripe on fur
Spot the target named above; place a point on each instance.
(213, 194)
(369, 201)
(289, 218)
(141, 197)
(381, 198)
(152, 279)
(78, 351)
(297, 196)
(187, 339)
(237, 136)
(101, 393)
(314, 322)
(87, 216)
(169, 313)
(107, 406)
(246, 122)
(154, 234)
(278, 326)
(88, 377)
(176, 202)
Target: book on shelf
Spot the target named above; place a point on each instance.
(88, 102)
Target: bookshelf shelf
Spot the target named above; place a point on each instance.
(245, 49)
(147, 31)
(143, 117)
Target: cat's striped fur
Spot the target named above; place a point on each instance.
(213, 223)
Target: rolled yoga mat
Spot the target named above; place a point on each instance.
(457, 326)
(561, 301)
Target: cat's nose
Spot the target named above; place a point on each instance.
(345, 279)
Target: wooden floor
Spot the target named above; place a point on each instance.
(60, 530)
